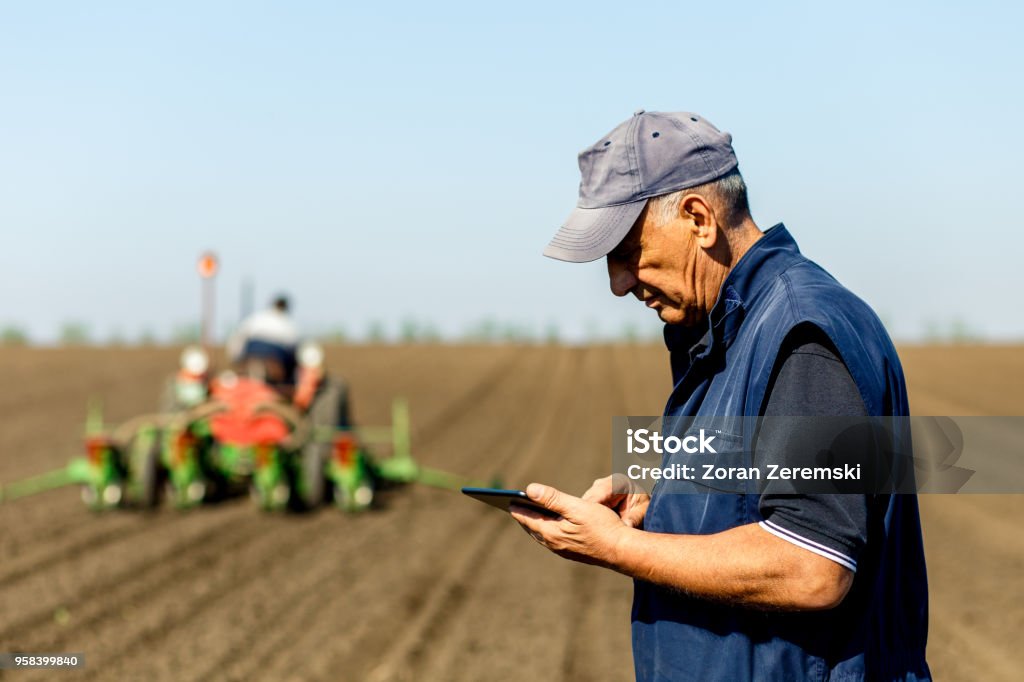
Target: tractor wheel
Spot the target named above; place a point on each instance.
(330, 407)
(314, 480)
(342, 416)
(149, 477)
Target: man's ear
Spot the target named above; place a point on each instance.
(700, 218)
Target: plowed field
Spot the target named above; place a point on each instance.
(431, 585)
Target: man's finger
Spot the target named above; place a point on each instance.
(526, 518)
(529, 519)
(600, 491)
(634, 518)
(621, 485)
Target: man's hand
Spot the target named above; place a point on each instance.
(620, 494)
(586, 531)
(745, 565)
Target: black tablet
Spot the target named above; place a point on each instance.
(497, 497)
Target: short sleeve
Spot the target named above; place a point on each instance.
(811, 380)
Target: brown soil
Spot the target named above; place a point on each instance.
(431, 586)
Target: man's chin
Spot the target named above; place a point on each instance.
(672, 316)
(677, 316)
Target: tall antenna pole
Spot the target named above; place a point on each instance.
(207, 268)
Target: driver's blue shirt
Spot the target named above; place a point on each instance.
(724, 369)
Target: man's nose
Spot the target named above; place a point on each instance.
(621, 280)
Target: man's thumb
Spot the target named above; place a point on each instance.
(549, 497)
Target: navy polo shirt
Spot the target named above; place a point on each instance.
(732, 367)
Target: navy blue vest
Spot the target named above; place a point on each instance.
(879, 630)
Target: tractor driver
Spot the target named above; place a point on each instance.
(265, 343)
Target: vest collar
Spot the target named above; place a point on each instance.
(770, 255)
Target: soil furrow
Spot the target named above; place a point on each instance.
(157, 571)
(408, 584)
(407, 658)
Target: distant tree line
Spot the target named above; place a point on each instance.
(484, 331)
(76, 333)
(411, 331)
(407, 331)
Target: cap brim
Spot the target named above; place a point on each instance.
(590, 233)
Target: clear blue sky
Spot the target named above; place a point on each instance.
(390, 161)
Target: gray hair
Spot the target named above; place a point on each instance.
(727, 196)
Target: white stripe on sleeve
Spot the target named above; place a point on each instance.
(809, 545)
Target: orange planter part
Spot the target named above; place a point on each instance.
(240, 424)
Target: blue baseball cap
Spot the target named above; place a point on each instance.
(651, 154)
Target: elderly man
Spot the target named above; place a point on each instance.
(739, 586)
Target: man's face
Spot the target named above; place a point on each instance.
(661, 264)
